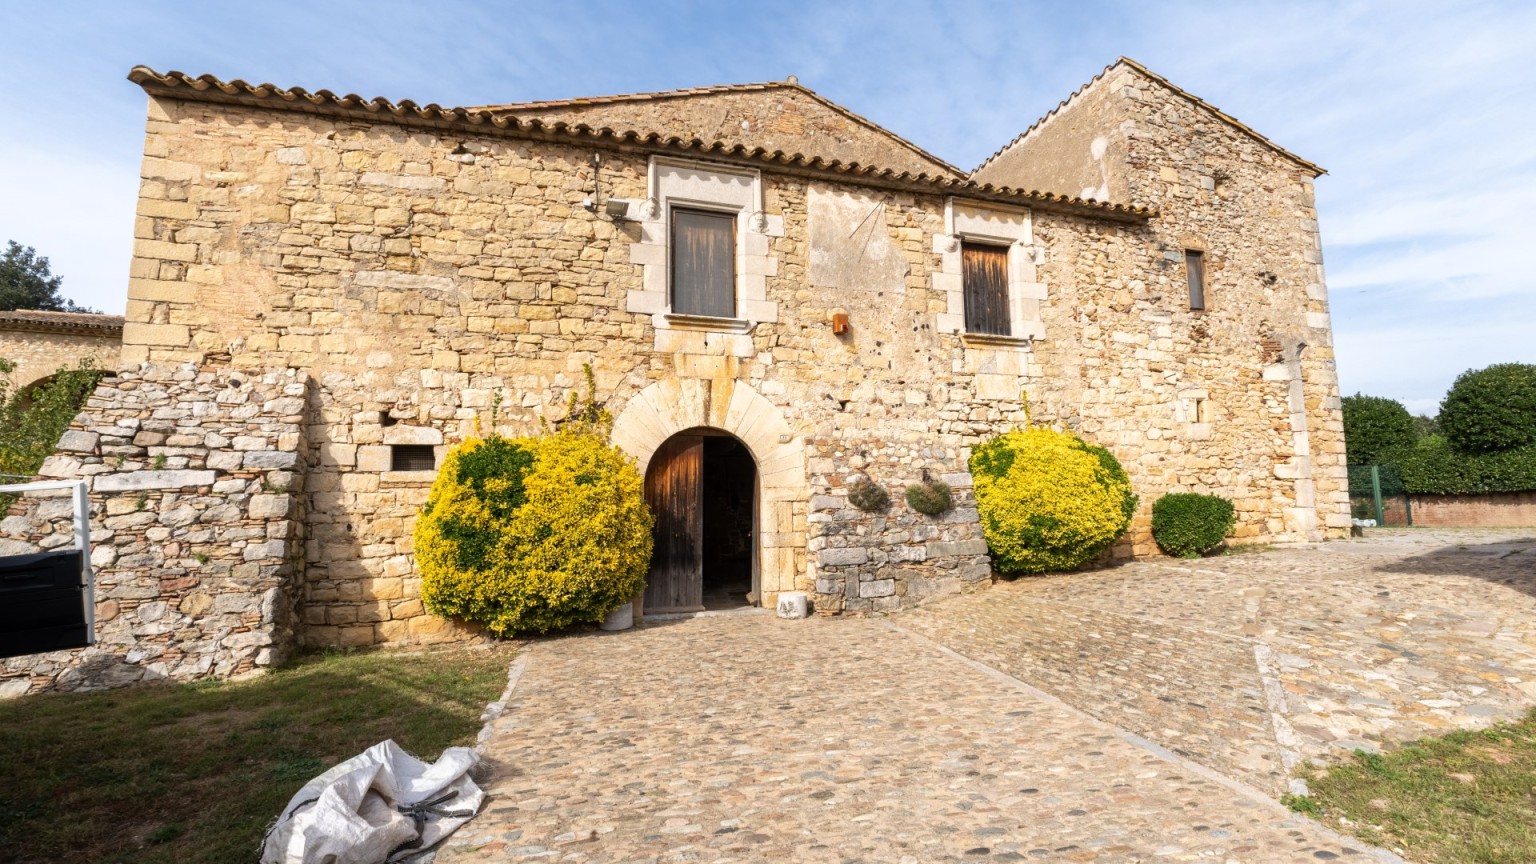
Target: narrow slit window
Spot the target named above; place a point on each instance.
(985, 279)
(704, 263)
(1194, 265)
(412, 457)
(1202, 414)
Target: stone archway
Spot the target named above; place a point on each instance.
(668, 407)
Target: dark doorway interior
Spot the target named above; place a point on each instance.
(729, 493)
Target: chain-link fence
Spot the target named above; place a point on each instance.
(1376, 495)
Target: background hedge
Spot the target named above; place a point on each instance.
(1376, 429)
(1436, 468)
(1491, 409)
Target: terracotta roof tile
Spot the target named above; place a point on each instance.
(208, 88)
(36, 318)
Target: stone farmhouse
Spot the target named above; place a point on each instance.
(40, 343)
(776, 297)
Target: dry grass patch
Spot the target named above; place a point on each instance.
(1464, 798)
(195, 772)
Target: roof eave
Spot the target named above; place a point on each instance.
(206, 88)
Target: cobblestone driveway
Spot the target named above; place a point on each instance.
(1247, 663)
(747, 738)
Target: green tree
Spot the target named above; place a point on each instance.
(26, 282)
(33, 418)
(1426, 426)
(1376, 429)
(1490, 410)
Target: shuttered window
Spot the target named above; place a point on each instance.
(703, 263)
(1194, 265)
(985, 271)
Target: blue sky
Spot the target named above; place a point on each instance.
(1422, 112)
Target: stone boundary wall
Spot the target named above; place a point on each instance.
(1497, 510)
(196, 521)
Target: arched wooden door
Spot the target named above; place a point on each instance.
(674, 488)
(702, 488)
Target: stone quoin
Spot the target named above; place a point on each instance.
(746, 262)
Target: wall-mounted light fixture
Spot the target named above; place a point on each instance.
(618, 209)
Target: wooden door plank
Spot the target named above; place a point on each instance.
(673, 489)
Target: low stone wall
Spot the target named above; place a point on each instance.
(1498, 510)
(196, 521)
(875, 562)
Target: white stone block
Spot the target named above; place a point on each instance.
(793, 605)
(403, 434)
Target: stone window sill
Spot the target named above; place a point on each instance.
(991, 340)
(407, 476)
(678, 321)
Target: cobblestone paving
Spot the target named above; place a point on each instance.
(1342, 645)
(747, 738)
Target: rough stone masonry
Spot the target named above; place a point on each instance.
(404, 268)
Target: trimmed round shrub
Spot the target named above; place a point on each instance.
(1048, 501)
(1188, 524)
(930, 498)
(529, 535)
(867, 495)
(1492, 409)
(1376, 429)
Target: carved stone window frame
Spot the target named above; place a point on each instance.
(994, 224)
(700, 185)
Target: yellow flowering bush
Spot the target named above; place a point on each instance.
(1049, 501)
(529, 535)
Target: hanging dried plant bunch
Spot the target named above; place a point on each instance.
(867, 495)
(930, 497)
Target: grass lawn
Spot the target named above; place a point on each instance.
(1465, 798)
(196, 772)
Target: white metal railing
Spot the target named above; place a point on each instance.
(82, 539)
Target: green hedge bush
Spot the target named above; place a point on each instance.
(1188, 524)
(1048, 501)
(1376, 429)
(1492, 409)
(529, 535)
(1436, 468)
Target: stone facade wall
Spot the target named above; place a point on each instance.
(1260, 355)
(39, 353)
(197, 526)
(417, 275)
(1500, 510)
(775, 117)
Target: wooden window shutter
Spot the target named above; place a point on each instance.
(1194, 265)
(704, 263)
(985, 279)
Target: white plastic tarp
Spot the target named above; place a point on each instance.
(381, 805)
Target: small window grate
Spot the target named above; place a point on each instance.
(412, 457)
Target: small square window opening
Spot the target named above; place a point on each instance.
(1194, 266)
(412, 457)
(1202, 413)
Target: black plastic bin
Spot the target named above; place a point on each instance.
(42, 603)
